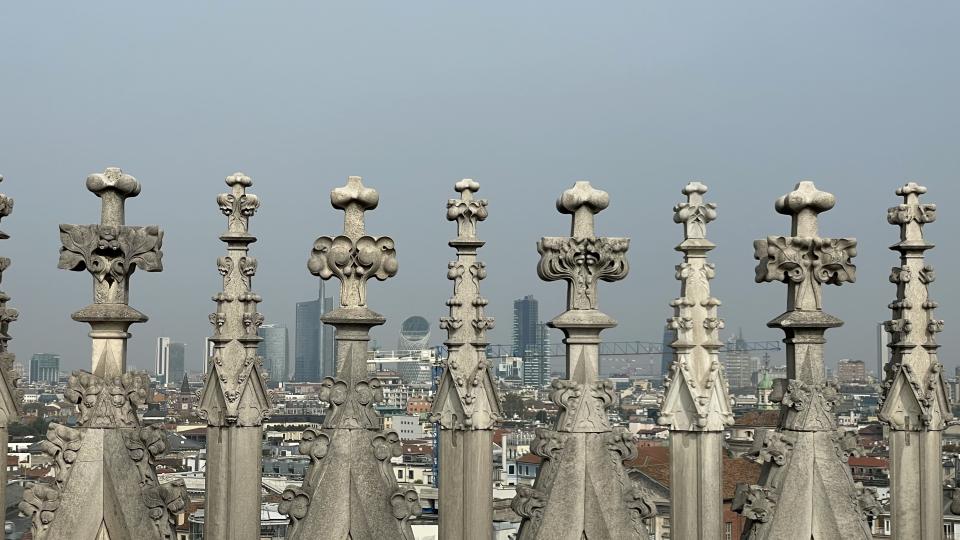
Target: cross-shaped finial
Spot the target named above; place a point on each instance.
(911, 215)
(695, 214)
(113, 187)
(584, 202)
(354, 199)
(804, 203)
(466, 210)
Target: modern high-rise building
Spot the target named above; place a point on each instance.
(883, 351)
(207, 354)
(45, 367)
(739, 367)
(275, 351)
(178, 363)
(314, 354)
(851, 371)
(163, 358)
(531, 341)
(171, 361)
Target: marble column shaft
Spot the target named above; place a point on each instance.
(11, 398)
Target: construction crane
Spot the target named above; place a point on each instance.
(632, 348)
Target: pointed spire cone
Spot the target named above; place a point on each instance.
(806, 488)
(234, 399)
(11, 397)
(582, 489)
(914, 399)
(349, 490)
(466, 405)
(106, 485)
(696, 405)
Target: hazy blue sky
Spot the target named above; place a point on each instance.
(638, 97)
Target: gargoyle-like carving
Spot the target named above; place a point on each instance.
(583, 262)
(772, 447)
(867, 502)
(145, 445)
(583, 407)
(351, 402)
(848, 445)
(755, 503)
(641, 505)
(529, 503)
(107, 403)
(620, 442)
(163, 503)
(810, 407)
(547, 444)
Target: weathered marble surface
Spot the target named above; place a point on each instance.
(11, 398)
(582, 489)
(105, 483)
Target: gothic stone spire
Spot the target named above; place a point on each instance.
(234, 399)
(466, 405)
(106, 485)
(583, 457)
(696, 406)
(806, 488)
(914, 397)
(349, 490)
(235, 392)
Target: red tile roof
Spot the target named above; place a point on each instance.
(870, 462)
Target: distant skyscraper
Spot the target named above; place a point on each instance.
(45, 367)
(414, 334)
(314, 355)
(883, 352)
(851, 371)
(275, 351)
(178, 363)
(531, 341)
(666, 357)
(207, 354)
(171, 361)
(163, 358)
(738, 365)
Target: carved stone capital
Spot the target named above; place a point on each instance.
(582, 262)
(583, 406)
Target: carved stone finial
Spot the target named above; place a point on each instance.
(466, 399)
(354, 199)
(111, 251)
(804, 203)
(583, 259)
(807, 486)
(354, 257)
(695, 214)
(584, 202)
(11, 397)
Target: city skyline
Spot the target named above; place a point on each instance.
(824, 98)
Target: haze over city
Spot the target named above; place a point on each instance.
(637, 98)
